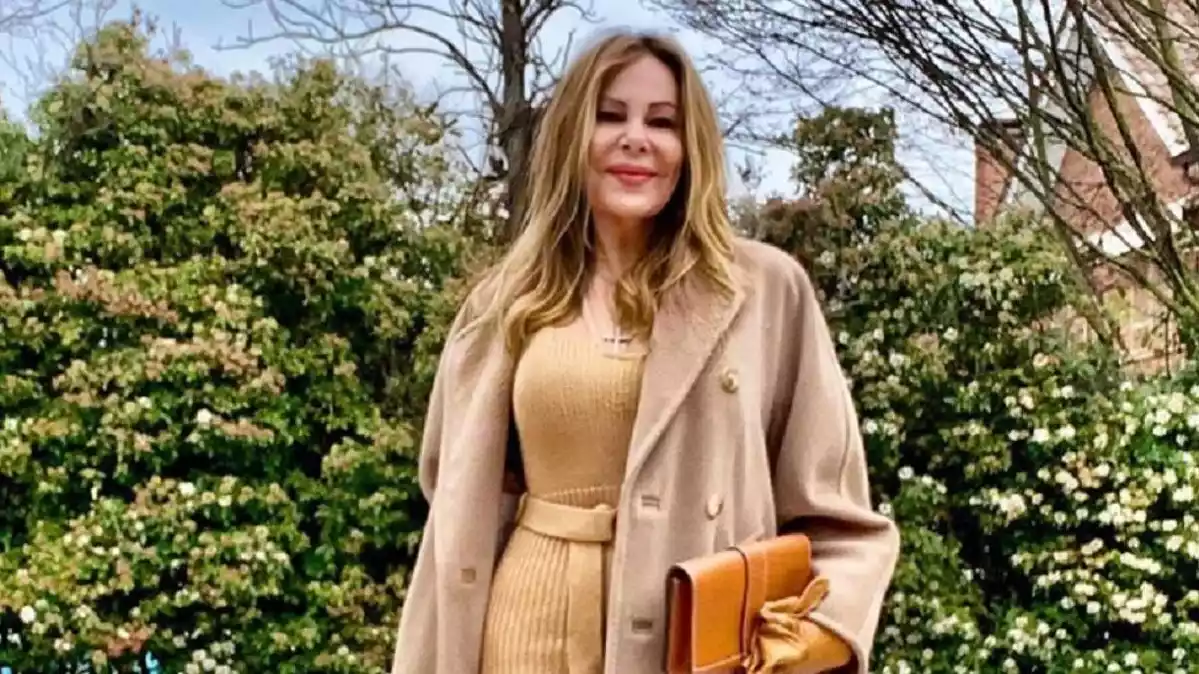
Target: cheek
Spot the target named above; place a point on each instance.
(602, 141)
(670, 154)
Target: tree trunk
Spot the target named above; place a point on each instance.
(515, 125)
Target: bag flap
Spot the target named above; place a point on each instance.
(776, 568)
(707, 598)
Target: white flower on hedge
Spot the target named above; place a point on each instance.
(1069, 482)
(1040, 436)
(204, 417)
(1012, 505)
(187, 489)
(1026, 400)
(28, 614)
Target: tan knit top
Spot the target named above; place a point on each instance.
(574, 405)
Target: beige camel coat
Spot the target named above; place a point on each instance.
(745, 426)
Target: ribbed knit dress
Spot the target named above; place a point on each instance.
(574, 405)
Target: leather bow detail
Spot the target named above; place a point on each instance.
(777, 641)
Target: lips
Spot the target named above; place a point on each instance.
(632, 175)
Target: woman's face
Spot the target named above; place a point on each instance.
(636, 154)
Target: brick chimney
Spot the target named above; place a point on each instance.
(992, 179)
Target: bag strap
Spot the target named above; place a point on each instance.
(757, 574)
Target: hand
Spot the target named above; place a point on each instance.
(825, 651)
(786, 640)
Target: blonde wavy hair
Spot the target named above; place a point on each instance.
(541, 279)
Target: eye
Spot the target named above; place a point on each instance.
(662, 122)
(609, 117)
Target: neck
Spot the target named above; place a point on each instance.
(619, 245)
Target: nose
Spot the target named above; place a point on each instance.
(635, 139)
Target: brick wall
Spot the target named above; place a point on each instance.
(1149, 335)
(1084, 199)
(992, 179)
(1089, 206)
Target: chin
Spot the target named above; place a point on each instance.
(634, 209)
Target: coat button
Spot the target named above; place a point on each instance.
(715, 506)
(728, 380)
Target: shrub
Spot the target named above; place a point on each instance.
(220, 306)
(1045, 498)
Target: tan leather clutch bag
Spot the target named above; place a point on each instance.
(722, 605)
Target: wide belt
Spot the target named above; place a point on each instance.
(586, 530)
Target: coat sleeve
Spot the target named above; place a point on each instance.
(821, 483)
(416, 641)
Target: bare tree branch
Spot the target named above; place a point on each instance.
(498, 49)
(40, 36)
(1080, 80)
(18, 15)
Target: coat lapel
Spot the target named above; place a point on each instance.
(687, 328)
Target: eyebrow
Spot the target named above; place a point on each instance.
(617, 101)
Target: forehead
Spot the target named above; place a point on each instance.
(646, 79)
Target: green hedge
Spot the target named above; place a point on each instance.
(220, 309)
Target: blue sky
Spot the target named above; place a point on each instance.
(202, 25)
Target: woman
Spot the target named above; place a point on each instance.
(657, 388)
